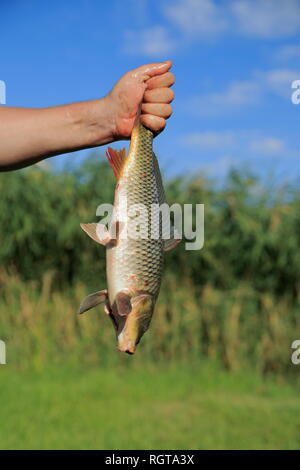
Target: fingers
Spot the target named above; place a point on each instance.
(151, 70)
(155, 123)
(159, 95)
(165, 80)
(150, 84)
(157, 109)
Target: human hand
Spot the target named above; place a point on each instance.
(148, 86)
(30, 135)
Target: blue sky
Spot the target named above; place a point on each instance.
(234, 63)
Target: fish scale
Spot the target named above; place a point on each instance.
(139, 263)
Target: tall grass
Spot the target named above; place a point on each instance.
(235, 301)
(237, 328)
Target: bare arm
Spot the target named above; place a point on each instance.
(30, 135)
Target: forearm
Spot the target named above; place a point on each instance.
(30, 135)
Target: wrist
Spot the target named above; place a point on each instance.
(93, 122)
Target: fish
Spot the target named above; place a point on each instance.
(134, 265)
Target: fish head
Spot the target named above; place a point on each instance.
(134, 323)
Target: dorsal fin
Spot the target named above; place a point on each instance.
(116, 159)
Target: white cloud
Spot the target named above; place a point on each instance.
(233, 98)
(220, 167)
(155, 41)
(197, 20)
(266, 18)
(209, 140)
(197, 17)
(289, 52)
(279, 80)
(247, 143)
(257, 18)
(239, 95)
(268, 146)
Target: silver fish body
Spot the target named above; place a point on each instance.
(134, 264)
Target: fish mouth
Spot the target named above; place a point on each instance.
(135, 323)
(129, 349)
(126, 344)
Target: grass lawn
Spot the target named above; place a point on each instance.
(175, 407)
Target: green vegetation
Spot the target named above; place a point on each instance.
(40, 326)
(236, 301)
(214, 370)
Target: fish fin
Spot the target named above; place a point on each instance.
(173, 241)
(93, 300)
(170, 244)
(123, 301)
(98, 233)
(116, 159)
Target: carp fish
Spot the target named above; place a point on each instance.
(134, 265)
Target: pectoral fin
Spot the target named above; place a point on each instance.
(97, 232)
(93, 300)
(170, 244)
(123, 301)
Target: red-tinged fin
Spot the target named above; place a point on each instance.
(116, 159)
(173, 241)
(170, 244)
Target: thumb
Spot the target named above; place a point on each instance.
(151, 70)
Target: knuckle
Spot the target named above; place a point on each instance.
(171, 95)
(167, 110)
(162, 125)
(171, 77)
